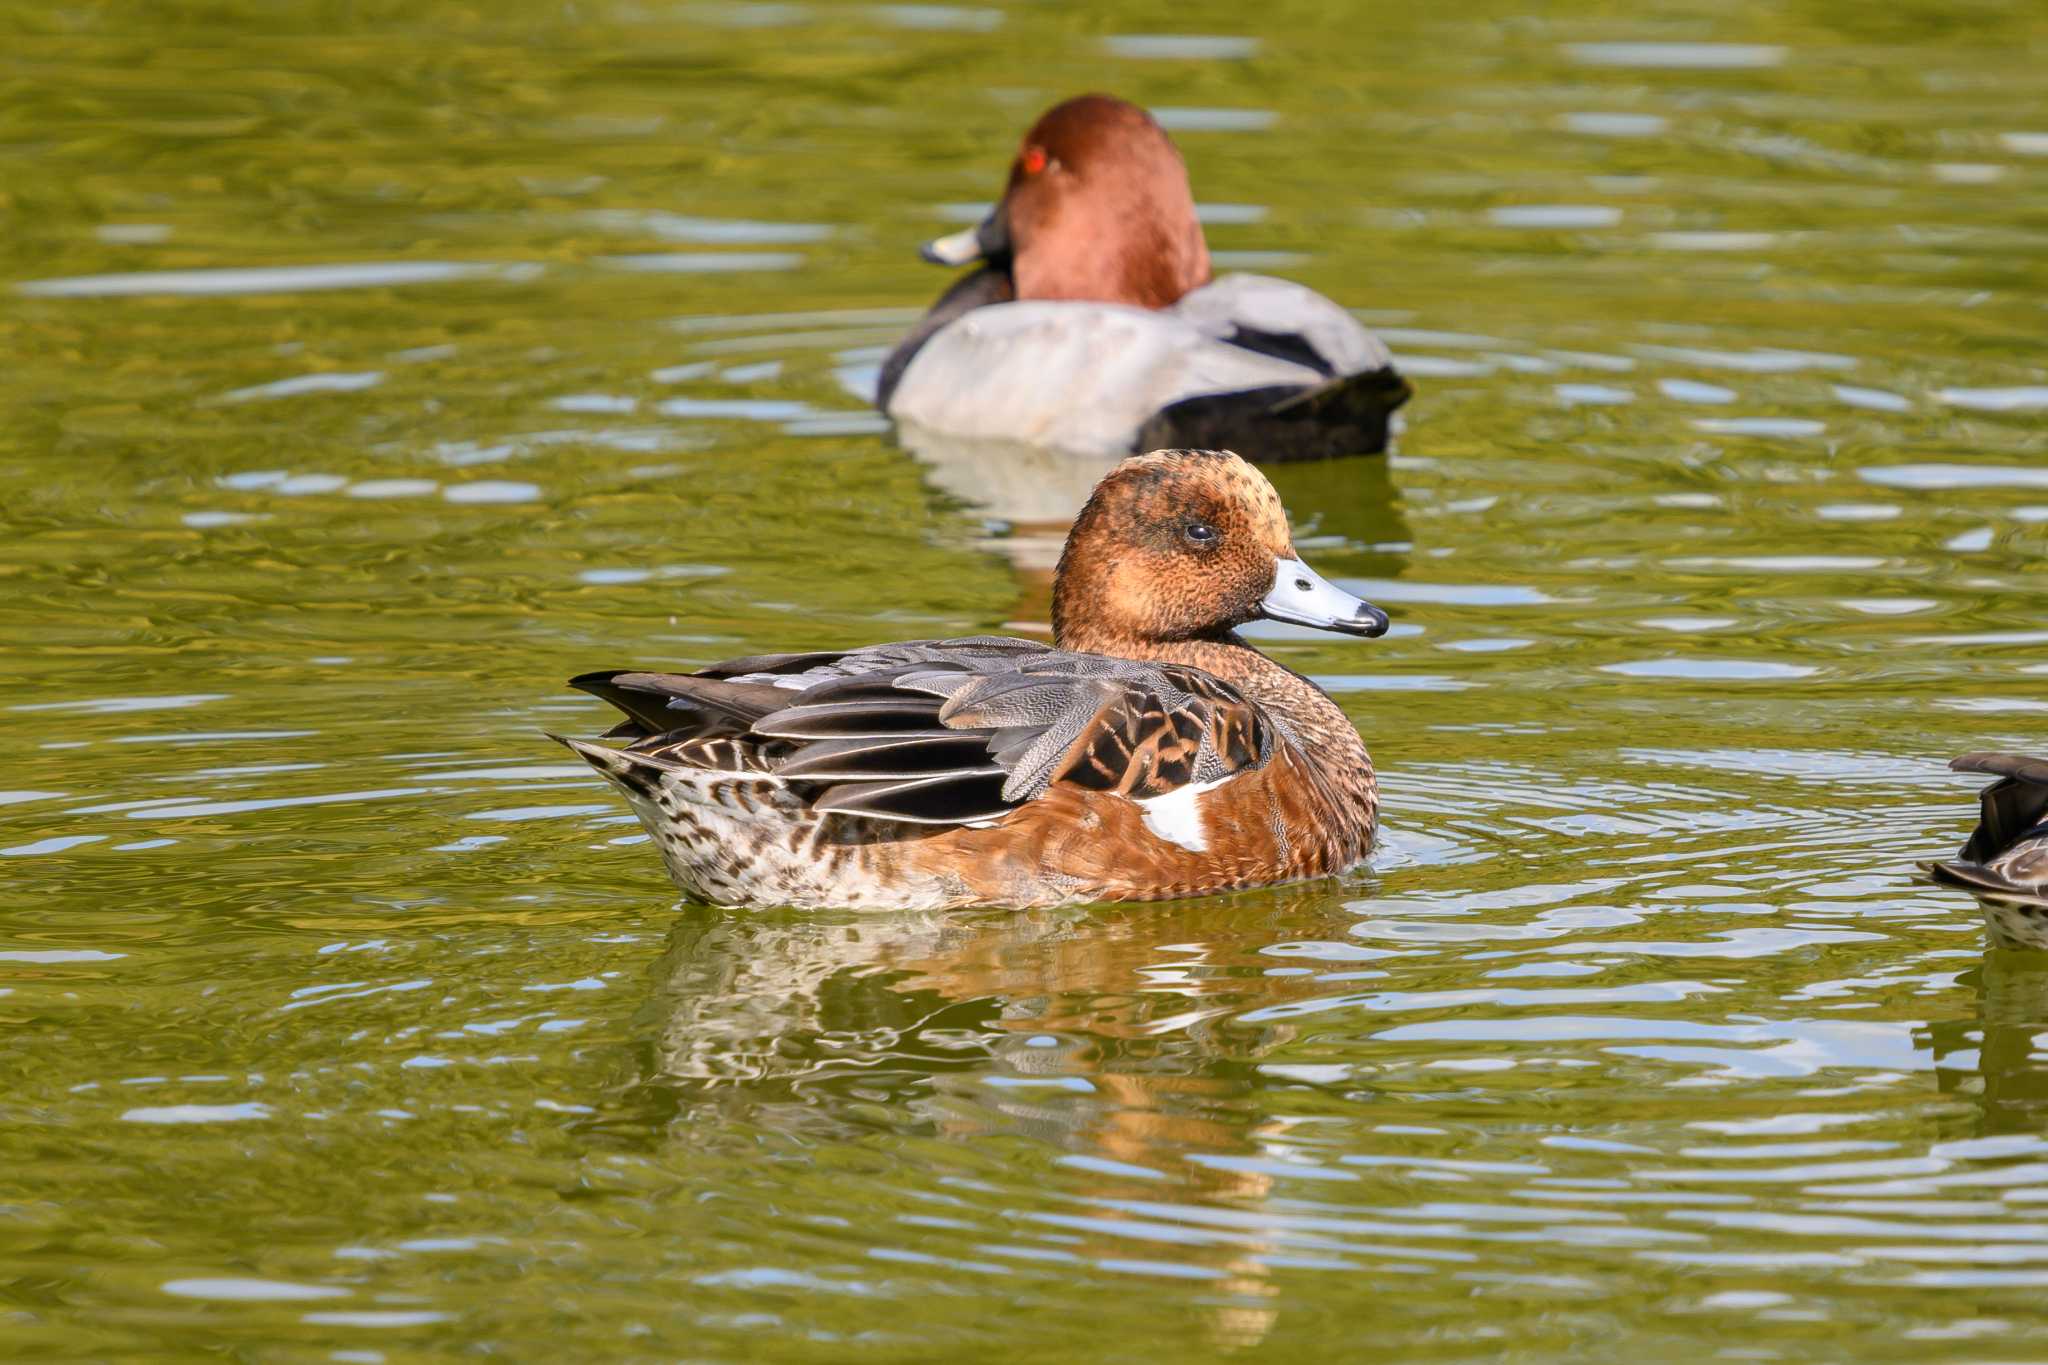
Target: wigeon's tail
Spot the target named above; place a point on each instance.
(1348, 415)
(721, 833)
(637, 775)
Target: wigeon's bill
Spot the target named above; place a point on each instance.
(1303, 597)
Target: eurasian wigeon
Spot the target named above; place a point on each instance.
(1094, 324)
(2005, 863)
(1151, 752)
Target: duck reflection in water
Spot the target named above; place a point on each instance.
(786, 1006)
(1120, 1038)
(2008, 1037)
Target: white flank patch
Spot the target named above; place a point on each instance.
(1177, 816)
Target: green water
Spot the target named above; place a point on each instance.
(342, 1018)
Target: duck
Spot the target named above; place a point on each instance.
(1092, 322)
(1149, 752)
(2005, 863)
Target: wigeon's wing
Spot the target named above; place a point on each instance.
(1074, 376)
(2011, 809)
(984, 734)
(1139, 730)
(655, 703)
(1282, 318)
(954, 732)
(706, 719)
(801, 672)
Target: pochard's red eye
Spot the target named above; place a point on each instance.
(1034, 160)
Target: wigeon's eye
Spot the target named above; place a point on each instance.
(1034, 160)
(1199, 534)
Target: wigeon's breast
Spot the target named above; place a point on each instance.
(1276, 823)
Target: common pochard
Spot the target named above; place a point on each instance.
(1094, 323)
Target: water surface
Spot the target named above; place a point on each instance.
(372, 370)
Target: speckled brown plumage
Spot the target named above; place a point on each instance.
(1153, 753)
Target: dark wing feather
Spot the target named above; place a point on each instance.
(916, 754)
(948, 732)
(2011, 807)
(1290, 346)
(772, 665)
(950, 799)
(866, 719)
(659, 702)
(2003, 765)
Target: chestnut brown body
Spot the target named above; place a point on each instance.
(1151, 753)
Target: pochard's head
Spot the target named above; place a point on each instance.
(1182, 545)
(1097, 207)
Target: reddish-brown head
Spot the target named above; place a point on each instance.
(1097, 207)
(1183, 545)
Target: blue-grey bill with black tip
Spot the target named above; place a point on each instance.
(1302, 597)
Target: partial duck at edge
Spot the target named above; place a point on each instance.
(2005, 863)
(1093, 322)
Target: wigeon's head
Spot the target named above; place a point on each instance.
(1097, 207)
(1182, 545)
